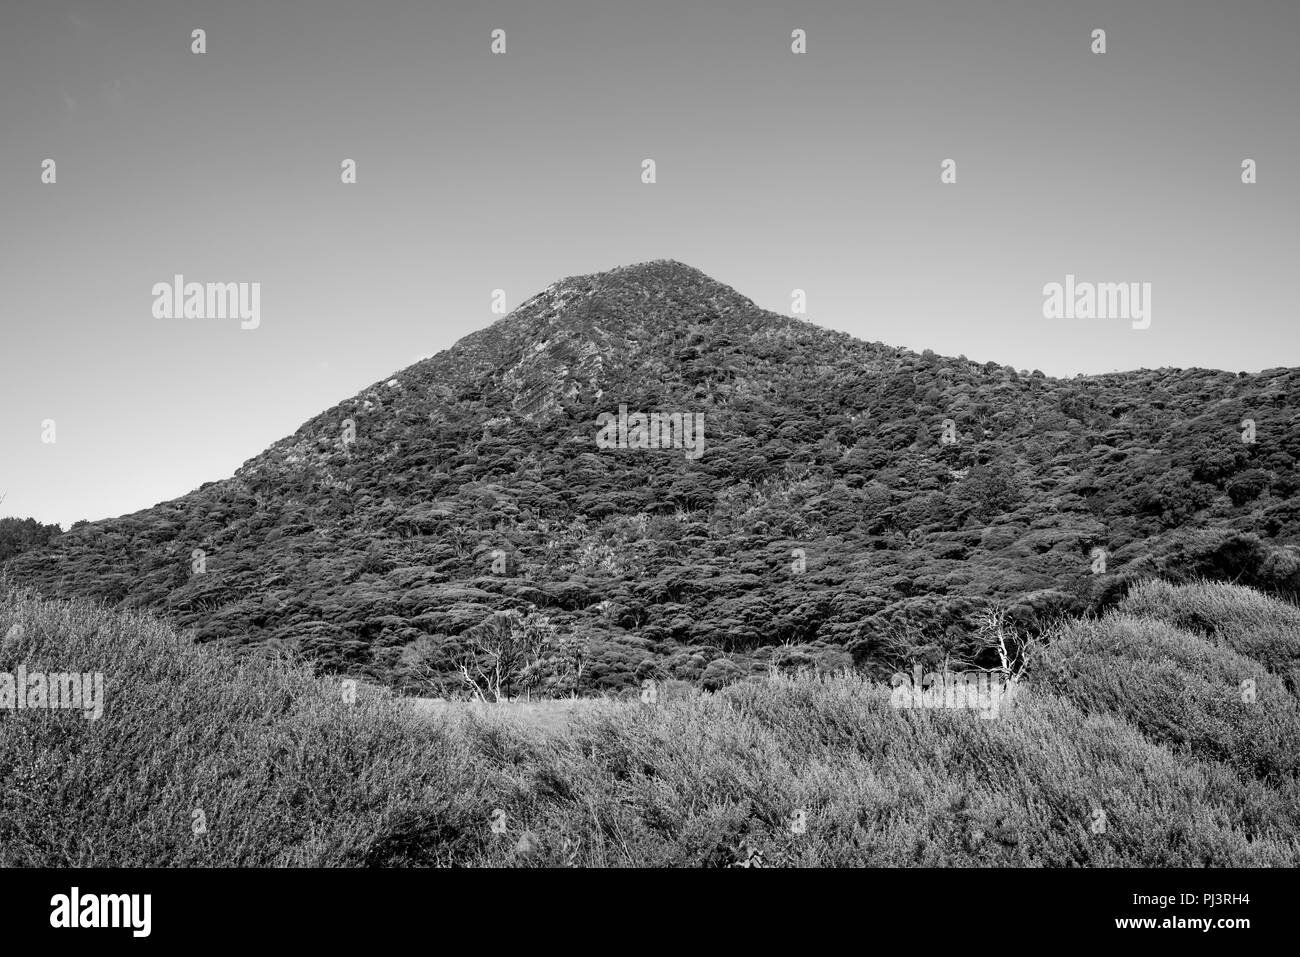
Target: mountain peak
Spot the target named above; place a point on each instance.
(655, 270)
(661, 281)
(582, 333)
(651, 271)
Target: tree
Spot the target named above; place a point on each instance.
(22, 534)
(568, 660)
(503, 654)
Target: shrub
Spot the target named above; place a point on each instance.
(287, 772)
(1247, 621)
(720, 673)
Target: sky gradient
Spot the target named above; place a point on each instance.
(476, 171)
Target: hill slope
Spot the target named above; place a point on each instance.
(826, 516)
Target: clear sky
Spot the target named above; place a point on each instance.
(477, 171)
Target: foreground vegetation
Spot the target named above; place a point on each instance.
(1130, 744)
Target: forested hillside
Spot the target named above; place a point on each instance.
(852, 499)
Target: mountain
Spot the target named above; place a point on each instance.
(828, 520)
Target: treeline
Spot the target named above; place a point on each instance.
(21, 534)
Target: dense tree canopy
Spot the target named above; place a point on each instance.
(19, 535)
(827, 516)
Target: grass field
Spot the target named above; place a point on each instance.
(554, 714)
(1131, 743)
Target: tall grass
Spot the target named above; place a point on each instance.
(1245, 620)
(1127, 721)
(1179, 689)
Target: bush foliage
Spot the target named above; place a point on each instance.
(1128, 714)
